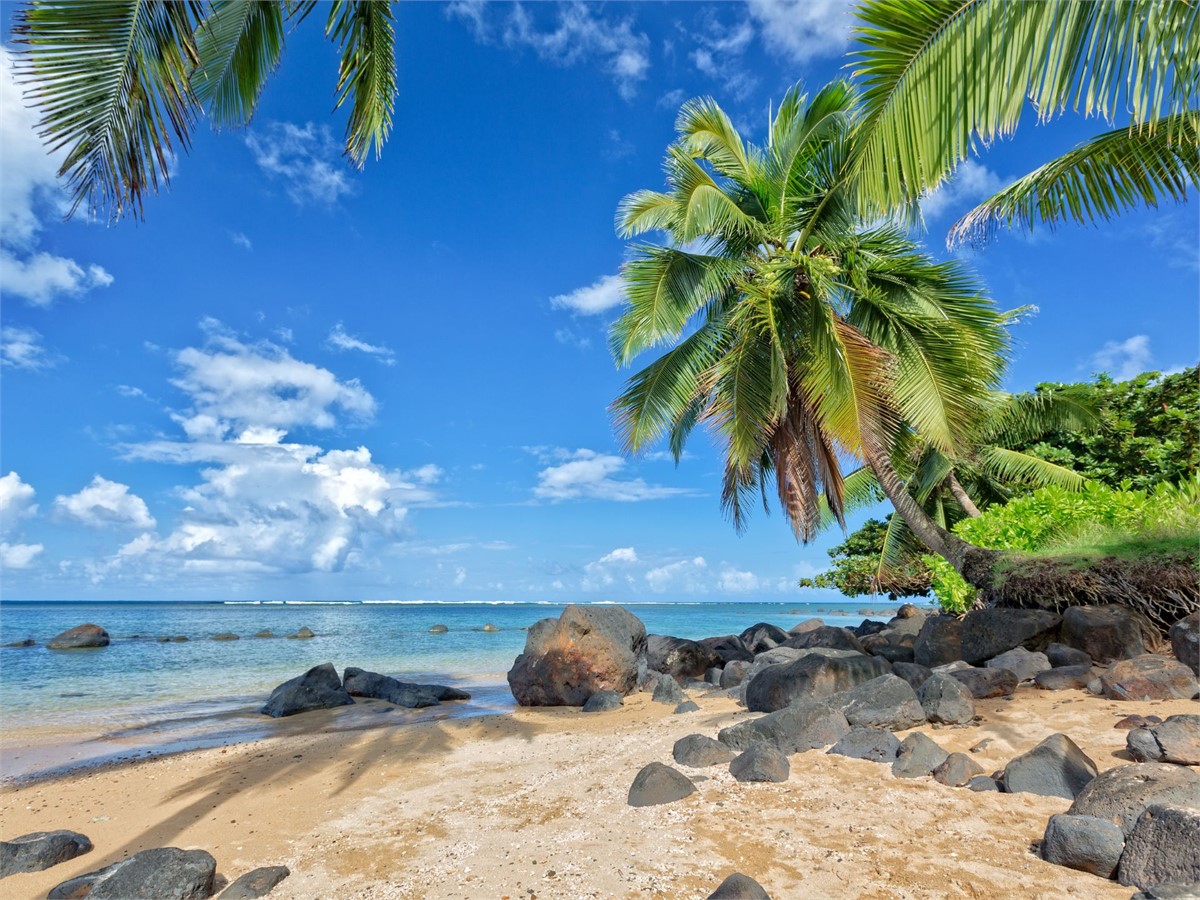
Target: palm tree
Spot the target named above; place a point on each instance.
(117, 80)
(941, 78)
(802, 334)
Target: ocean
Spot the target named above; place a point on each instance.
(140, 695)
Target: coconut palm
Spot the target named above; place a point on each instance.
(941, 78)
(121, 83)
(801, 334)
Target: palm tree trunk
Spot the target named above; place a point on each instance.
(963, 498)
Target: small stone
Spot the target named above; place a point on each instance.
(762, 762)
(1021, 662)
(982, 783)
(303, 634)
(656, 784)
(1064, 678)
(603, 701)
(1176, 740)
(739, 887)
(874, 744)
(256, 884)
(490, 628)
(700, 751)
(956, 770)
(1185, 641)
(1060, 656)
(225, 636)
(986, 683)
(164, 873)
(265, 633)
(667, 691)
(40, 850)
(687, 706)
(918, 756)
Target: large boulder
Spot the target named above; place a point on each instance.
(985, 683)
(939, 641)
(805, 725)
(255, 884)
(1163, 848)
(656, 784)
(806, 625)
(739, 887)
(825, 636)
(813, 675)
(729, 648)
(1122, 794)
(989, 632)
(679, 657)
(781, 656)
(874, 744)
(1105, 633)
(699, 751)
(761, 762)
(1176, 740)
(1185, 641)
(588, 649)
(917, 757)
(1149, 677)
(1083, 842)
(1023, 663)
(763, 636)
(1054, 768)
(914, 674)
(734, 673)
(164, 873)
(81, 637)
(946, 700)
(40, 850)
(884, 702)
(318, 688)
(360, 683)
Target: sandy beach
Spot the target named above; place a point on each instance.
(533, 804)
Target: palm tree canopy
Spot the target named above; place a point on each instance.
(796, 329)
(120, 84)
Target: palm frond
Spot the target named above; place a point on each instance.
(644, 211)
(1012, 465)
(239, 45)
(1024, 418)
(367, 73)
(706, 132)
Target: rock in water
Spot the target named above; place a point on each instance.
(318, 688)
(987, 633)
(603, 701)
(739, 887)
(490, 628)
(303, 634)
(1084, 843)
(1185, 641)
(1021, 662)
(40, 850)
(946, 700)
(226, 636)
(679, 657)
(359, 683)
(918, 756)
(588, 649)
(165, 873)
(1122, 794)
(1054, 768)
(256, 884)
(1149, 677)
(81, 637)
(265, 633)
(1176, 740)
(656, 784)
(698, 751)
(1105, 633)
(762, 762)
(874, 744)
(813, 675)
(1163, 848)
(438, 629)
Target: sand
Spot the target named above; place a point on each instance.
(533, 804)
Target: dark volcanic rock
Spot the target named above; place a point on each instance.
(603, 701)
(1137, 722)
(734, 673)
(956, 770)
(868, 627)
(985, 683)
(982, 783)
(1084, 843)
(1185, 641)
(939, 641)
(989, 632)
(729, 648)
(1105, 633)
(1054, 768)
(679, 657)
(1163, 848)
(762, 762)
(40, 850)
(81, 637)
(806, 625)
(265, 633)
(226, 636)
(874, 744)
(359, 683)
(318, 688)
(687, 706)
(825, 636)
(813, 675)
(304, 634)
(918, 756)
(588, 649)
(805, 725)
(912, 673)
(256, 884)
(1064, 678)
(713, 676)
(1021, 662)
(438, 629)
(884, 702)
(656, 784)
(1122, 794)
(1149, 677)
(1169, 892)
(1060, 656)
(763, 636)
(739, 887)
(946, 700)
(27, 642)
(667, 691)
(1176, 740)
(894, 653)
(165, 873)
(699, 751)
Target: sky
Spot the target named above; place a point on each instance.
(298, 380)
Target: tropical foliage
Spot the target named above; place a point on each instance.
(120, 84)
(855, 568)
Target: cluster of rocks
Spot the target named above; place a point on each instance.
(89, 637)
(165, 873)
(321, 688)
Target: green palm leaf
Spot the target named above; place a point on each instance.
(367, 73)
(1012, 465)
(239, 45)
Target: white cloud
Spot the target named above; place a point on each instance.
(18, 556)
(594, 299)
(681, 576)
(672, 98)
(22, 348)
(42, 278)
(103, 503)
(734, 581)
(568, 338)
(588, 475)
(719, 54)
(620, 555)
(16, 502)
(241, 240)
(601, 573)
(1124, 359)
(971, 182)
(340, 340)
(460, 576)
(802, 30)
(306, 160)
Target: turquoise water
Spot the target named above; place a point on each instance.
(140, 692)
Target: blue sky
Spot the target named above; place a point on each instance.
(295, 380)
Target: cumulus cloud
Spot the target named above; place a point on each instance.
(339, 340)
(602, 572)
(22, 348)
(42, 278)
(734, 581)
(971, 182)
(596, 298)
(682, 576)
(587, 475)
(18, 556)
(802, 30)
(1124, 359)
(306, 161)
(16, 503)
(105, 503)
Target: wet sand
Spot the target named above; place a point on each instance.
(533, 804)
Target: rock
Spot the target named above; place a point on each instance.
(679, 657)
(1054, 768)
(885, 702)
(1021, 662)
(1083, 842)
(1095, 686)
(763, 636)
(980, 783)
(874, 744)
(303, 634)
(985, 683)
(1185, 641)
(781, 656)
(603, 701)
(255, 884)
(1137, 722)
(588, 649)
(668, 691)
(805, 725)
(687, 706)
(946, 700)
(894, 653)
(318, 688)
(1061, 656)
(81, 637)
(28, 642)
(958, 665)
(265, 633)
(908, 611)
(987, 633)
(734, 673)
(917, 757)
(912, 673)
(739, 887)
(1149, 677)
(180, 639)
(939, 641)
(956, 770)
(698, 751)
(813, 675)
(1122, 794)
(438, 629)
(165, 873)
(806, 625)
(825, 636)
(1064, 678)
(713, 676)
(40, 850)
(359, 683)
(1105, 633)
(762, 762)
(1163, 848)
(1176, 740)
(729, 649)
(1169, 892)
(656, 784)
(490, 628)
(226, 636)
(868, 627)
